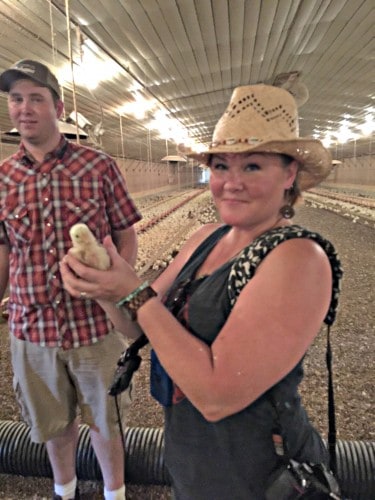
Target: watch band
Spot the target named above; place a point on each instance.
(138, 300)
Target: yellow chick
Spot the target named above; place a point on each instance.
(87, 249)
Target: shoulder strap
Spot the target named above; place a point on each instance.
(205, 247)
(243, 269)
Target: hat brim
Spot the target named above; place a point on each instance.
(314, 159)
(11, 75)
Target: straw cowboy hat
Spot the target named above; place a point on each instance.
(262, 118)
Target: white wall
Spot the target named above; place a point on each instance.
(144, 177)
(148, 177)
(356, 171)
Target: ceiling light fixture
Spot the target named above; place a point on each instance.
(368, 127)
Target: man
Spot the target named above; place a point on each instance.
(64, 350)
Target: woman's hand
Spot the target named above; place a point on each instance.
(112, 285)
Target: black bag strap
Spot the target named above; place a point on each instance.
(281, 447)
(331, 407)
(245, 265)
(243, 270)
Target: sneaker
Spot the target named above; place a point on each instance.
(76, 496)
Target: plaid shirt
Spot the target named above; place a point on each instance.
(38, 205)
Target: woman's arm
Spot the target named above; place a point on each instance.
(4, 269)
(275, 319)
(120, 280)
(121, 321)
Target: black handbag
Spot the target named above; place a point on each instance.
(293, 480)
(305, 481)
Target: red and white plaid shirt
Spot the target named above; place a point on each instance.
(39, 202)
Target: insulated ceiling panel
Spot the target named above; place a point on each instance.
(187, 56)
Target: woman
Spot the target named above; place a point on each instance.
(225, 357)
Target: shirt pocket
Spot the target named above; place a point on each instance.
(17, 222)
(87, 211)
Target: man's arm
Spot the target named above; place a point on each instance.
(4, 268)
(127, 244)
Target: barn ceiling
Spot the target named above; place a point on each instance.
(184, 57)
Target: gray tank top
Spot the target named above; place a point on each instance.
(233, 458)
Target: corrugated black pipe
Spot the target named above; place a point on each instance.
(145, 459)
(144, 454)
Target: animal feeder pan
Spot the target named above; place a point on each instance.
(174, 159)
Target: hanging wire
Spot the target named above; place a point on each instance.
(79, 43)
(149, 152)
(52, 34)
(122, 138)
(98, 129)
(1, 145)
(53, 48)
(62, 98)
(71, 67)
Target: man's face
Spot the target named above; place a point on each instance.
(33, 111)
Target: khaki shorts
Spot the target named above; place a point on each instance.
(53, 386)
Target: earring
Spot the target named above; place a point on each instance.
(287, 211)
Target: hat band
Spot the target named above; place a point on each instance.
(231, 141)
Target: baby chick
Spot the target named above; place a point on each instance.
(87, 249)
